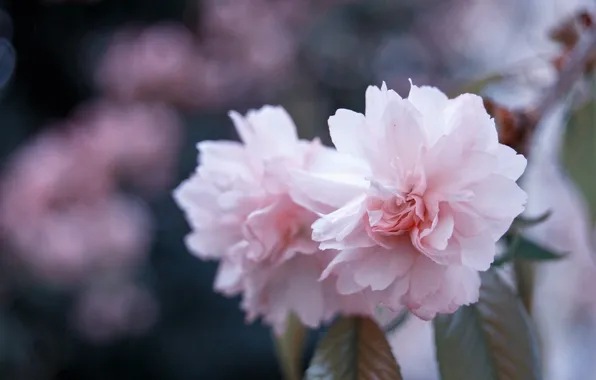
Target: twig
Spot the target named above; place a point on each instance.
(572, 71)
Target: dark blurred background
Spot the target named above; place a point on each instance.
(102, 105)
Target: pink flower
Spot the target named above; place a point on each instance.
(241, 211)
(156, 64)
(107, 310)
(435, 195)
(62, 215)
(138, 142)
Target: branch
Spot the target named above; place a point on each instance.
(572, 71)
(517, 127)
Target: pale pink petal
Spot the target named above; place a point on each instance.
(381, 267)
(377, 99)
(460, 286)
(209, 243)
(466, 115)
(467, 221)
(425, 279)
(267, 132)
(499, 200)
(228, 278)
(510, 164)
(287, 289)
(404, 133)
(393, 296)
(439, 237)
(431, 103)
(427, 99)
(243, 128)
(328, 161)
(346, 129)
(346, 284)
(478, 251)
(323, 193)
(275, 122)
(358, 237)
(217, 152)
(337, 225)
(340, 260)
(450, 170)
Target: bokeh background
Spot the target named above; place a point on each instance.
(101, 105)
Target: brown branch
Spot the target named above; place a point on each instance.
(517, 127)
(571, 72)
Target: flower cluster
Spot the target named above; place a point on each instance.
(67, 219)
(404, 212)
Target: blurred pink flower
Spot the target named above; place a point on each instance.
(242, 212)
(437, 193)
(140, 140)
(60, 209)
(254, 33)
(85, 240)
(246, 48)
(104, 312)
(153, 64)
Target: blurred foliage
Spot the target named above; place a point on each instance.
(520, 248)
(579, 150)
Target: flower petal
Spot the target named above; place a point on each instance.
(380, 267)
(377, 99)
(439, 237)
(337, 225)
(267, 132)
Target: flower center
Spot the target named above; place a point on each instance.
(395, 215)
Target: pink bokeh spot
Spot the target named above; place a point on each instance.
(61, 211)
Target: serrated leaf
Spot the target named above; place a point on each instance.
(579, 152)
(289, 348)
(521, 248)
(493, 339)
(354, 349)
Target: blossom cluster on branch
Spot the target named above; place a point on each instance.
(403, 213)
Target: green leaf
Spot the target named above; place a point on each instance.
(289, 348)
(521, 248)
(354, 349)
(521, 223)
(493, 339)
(528, 250)
(579, 153)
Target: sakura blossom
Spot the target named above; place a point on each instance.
(434, 193)
(242, 212)
(62, 211)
